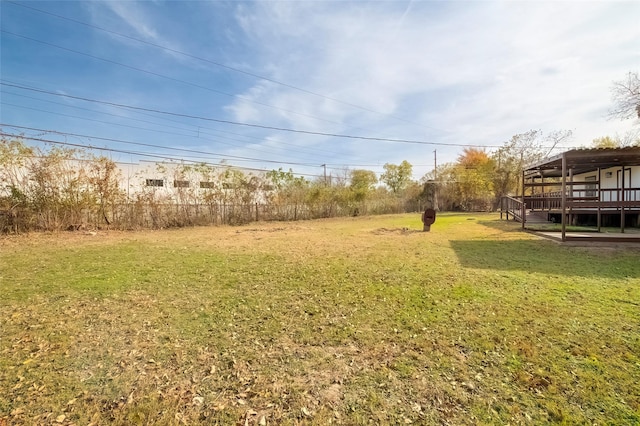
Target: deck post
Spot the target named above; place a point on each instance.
(571, 218)
(544, 201)
(564, 195)
(622, 201)
(524, 206)
(599, 198)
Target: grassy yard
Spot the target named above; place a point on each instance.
(345, 321)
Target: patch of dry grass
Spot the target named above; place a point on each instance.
(344, 321)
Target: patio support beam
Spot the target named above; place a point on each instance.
(571, 218)
(563, 202)
(599, 198)
(544, 203)
(622, 199)
(524, 206)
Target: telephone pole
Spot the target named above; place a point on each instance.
(435, 179)
(435, 163)
(325, 173)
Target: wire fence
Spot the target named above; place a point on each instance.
(137, 215)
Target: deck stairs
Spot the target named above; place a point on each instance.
(513, 208)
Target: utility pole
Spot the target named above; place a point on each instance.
(435, 178)
(325, 173)
(435, 163)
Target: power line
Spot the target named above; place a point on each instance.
(299, 149)
(165, 76)
(96, 111)
(282, 129)
(208, 154)
(227, 94)
(235, 157)
(94, 120)
(141, 154)
(129, 126)
(168, 49)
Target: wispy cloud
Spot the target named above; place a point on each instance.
(139, 20)
(444, 72)
(480, 71)
(133, 16)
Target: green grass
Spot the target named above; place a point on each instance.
(349, 321)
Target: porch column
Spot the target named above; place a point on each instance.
(524, 206)
(563, 202)
(599, 198)
(571, 197)
(544, 201)
(622, 199)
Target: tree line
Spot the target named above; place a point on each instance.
(56, 188)
(53, 188)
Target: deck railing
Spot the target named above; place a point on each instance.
(545, 201)
(615, 194)
(588, 198)
(512, 206)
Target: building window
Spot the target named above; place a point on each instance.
(207, 185)
(155, 182)
(590, 187)
(181, 184)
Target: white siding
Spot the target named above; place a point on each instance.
(609, 179)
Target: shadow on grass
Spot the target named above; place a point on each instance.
(502, 225)
(544, 258)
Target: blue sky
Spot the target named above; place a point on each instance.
(443, 73)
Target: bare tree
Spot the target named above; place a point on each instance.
(103, 178)
(626, 96)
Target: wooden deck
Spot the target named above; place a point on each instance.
(514, 210)
(572, 187)
(631, 238)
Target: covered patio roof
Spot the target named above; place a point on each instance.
(585, 160)
(570, 163)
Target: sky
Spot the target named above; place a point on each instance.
(312, 86)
